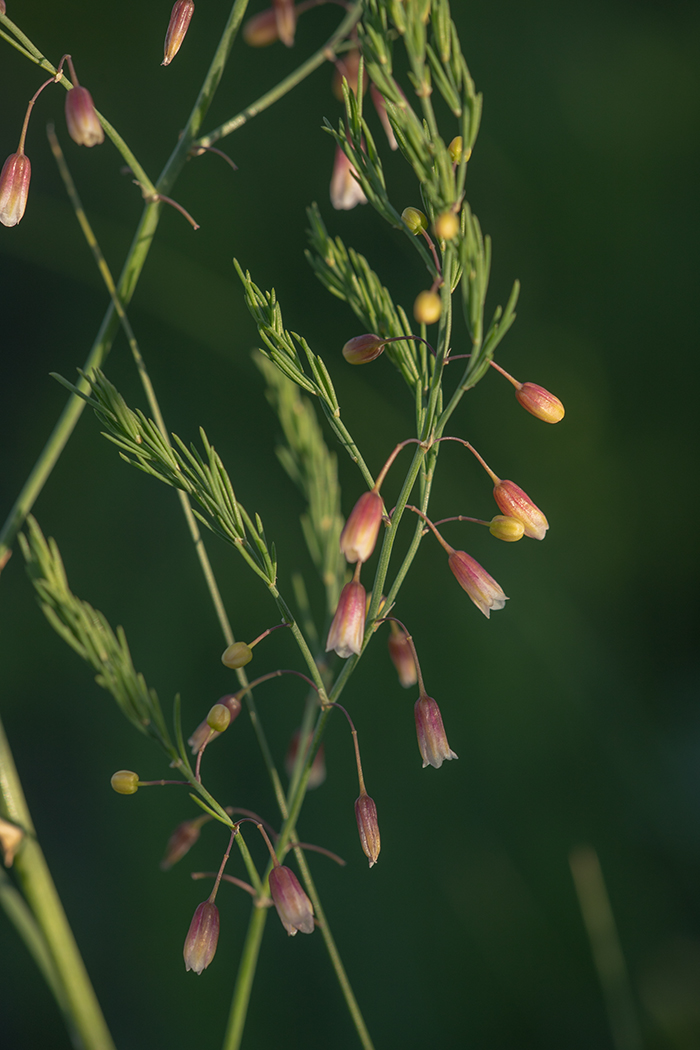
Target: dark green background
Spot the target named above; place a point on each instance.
(574, 712)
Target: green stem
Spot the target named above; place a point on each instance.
(244, 979)
(281, 89)
(77, 1000)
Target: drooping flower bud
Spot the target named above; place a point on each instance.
(347, 631)
(294, 908)
(10, 837)
(202, 937)
(180, 18)
(455, 149)
(81, 118)
(402, 656)
(415, 220)
(517, 504)
(317, 773)
(432, 740)
(540, 403)
(446, 226)
(427, 307)
(181, 841)
(261, 30)
(14, 187)
(238, 654)
(362, 349)
(204, 733)
(346, 191)
(125, 782)
(3, 8)
(219, 718)
(368, 827)
(481, 588)
(506, 528)
(286, 18)
(380, 106)
(359, 535)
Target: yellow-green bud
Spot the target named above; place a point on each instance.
(125, 782)
(455, 149)
(427, 307)
(219, 718)
(506, 528)
(237, 655)
(446, 226)
(415, 220)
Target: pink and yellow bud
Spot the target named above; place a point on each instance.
(202, 937)
(380, 106)
(204, 734)
(359, 535)
(415, 220)
(14, 188)
(427, 308)
(483, 590)
(540, 403)
(261, 30)
(180, 18)
(286, 18)
(432, 740)
(125, 782)
(348, 628)
(11, 837)
(402, 656)
(236, 655)
(505, 528)
(3, 8)
(517, 504)
(181, 841)
(294, 908)
(446, 226)
(362, 349)
(346, 191)
(368, 827)
(81, 118)
(317, 773)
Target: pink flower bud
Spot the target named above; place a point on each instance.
(348, 628)
(294, 908)
(202, 937)
(317, 773)
(517, 504)
(481, 588)
(286, 19)
(380, 107)
(368, 827)
(402, 656)
(432, 741)
(539, 402)
(349, 67)
(14, 188)
(204, 732)
(261, 30)
(181, 842)
(362, 349)
(346, 191)
(11, 837)
(83, 124)
(3, 8)
(359, 535)
(180, 17)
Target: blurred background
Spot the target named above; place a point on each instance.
(574, 712)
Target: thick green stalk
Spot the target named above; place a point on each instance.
(77, 999)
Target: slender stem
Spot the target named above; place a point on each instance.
(244, 979)
(77, 1000)
(289, 82)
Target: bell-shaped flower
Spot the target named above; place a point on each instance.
(14, 187)
(181, 841)
(261, 29)
(402, 656)
(368, 827)
(81, 117)
(515, 503)
(540, 403)
(346, 191)
(432, 741)
(481, 588)
(294, 908)
(179, 23)
(202, 937)
(379, 105)
(359, 535)
(347, 631)
(286, 19)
